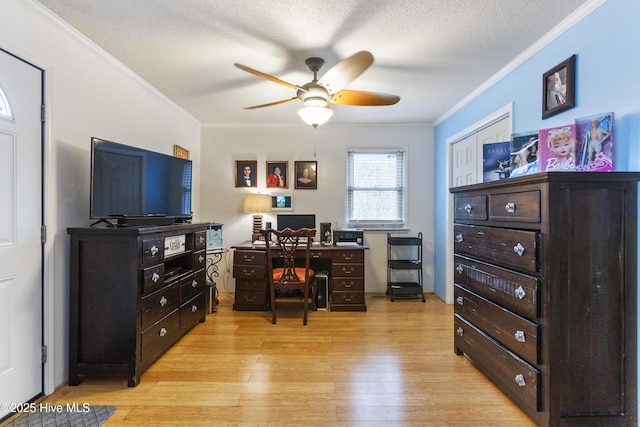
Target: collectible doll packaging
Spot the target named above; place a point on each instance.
(523, 154)
(557, 147)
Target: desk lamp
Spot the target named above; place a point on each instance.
(257, 204)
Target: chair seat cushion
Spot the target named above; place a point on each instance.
(278, 272)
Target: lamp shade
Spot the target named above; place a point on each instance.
(315, 116)
(257, 203)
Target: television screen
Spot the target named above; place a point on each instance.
(295, 221)
(132, 182)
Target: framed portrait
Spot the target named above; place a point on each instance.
(277, 174)
(559, 88)
(180, 152)
(246, 173)
(281, 202)
(306, 175)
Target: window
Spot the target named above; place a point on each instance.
(375, 188)
(5, 108)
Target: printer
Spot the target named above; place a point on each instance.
(348, 237)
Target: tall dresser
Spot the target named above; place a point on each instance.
(134, 292)
(545, 292)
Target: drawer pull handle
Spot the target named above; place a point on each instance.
(519, 292)
(459, 269)
(510, 207)
(200, 259)
(468, 208)
(315, 255)
(163, 301)
(520, 336)
(519, 249)
(460, 301)
(154, 250)
(520, 380)
(348, 285)
(349, 271)
(155, 277)
(201, 239)
(347, 299)
(248, 273)
(194, 308)
(460, 331)
(194, 283)
(249, 258)
(163, 332)
(459, 238)
(347, 257)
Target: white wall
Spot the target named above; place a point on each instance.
(222, 202)
(88, 94)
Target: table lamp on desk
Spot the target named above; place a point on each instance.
(257, 204)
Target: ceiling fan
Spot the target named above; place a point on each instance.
(318, 94)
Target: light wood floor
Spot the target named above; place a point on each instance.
(391, 366)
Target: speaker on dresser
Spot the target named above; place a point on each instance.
(325, 233)
(322, 298)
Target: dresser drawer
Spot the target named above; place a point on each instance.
(516, 291)
(249, 258)
(348, 297)
(511, 374)
(153, 278)
(192, 312)
(516, 207)
(470, 207)
(356, 284)
(192, 285)
(199, 260)
(152, 251)
(347, 270)
(249, 271)
(159, 337)
(200, 240)
(159, 303)
(348, 256)
(512, 248)
(514, 332)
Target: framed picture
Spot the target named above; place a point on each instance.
(306, 175)
(277, 174)
(559, 88)
(246, 173)
(180, 152)
(281, 202)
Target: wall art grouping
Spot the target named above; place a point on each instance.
(277, 174)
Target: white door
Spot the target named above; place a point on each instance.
(465, 161)
(21, 368)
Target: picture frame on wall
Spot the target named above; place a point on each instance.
(180, 152)
(558, 88)
(246, 173)
(306, 175)
(281, 202)
(277, 174)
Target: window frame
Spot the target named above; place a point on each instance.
(377, 224)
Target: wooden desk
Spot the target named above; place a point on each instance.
(345, 265)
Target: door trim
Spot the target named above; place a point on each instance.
(500, 114)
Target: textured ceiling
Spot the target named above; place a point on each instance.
(432, 53)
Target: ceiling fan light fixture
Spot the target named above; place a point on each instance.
(315, 101)
(315, 116)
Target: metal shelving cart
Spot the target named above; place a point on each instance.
(404, 267)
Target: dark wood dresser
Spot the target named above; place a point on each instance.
(344, 264)
(545, 293)
(134, 291)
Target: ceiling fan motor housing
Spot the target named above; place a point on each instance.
(315, 95)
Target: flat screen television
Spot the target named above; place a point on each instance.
(134, 185)
(295, 221)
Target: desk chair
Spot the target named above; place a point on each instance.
(291, 277)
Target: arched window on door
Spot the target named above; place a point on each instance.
(5, 108)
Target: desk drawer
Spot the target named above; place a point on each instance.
(249, 258)
(348, 256)
(339, 285)
(513, 375)
(251, 285)
(349, 297)
(514, 332)
(247, 298)
(347, 270)
(513, 248)
(249, 271)
(516, 291)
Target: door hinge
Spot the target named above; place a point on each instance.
(43, 234)
(43, 113)
(44, 354)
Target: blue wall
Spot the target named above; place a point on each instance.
(607, 47)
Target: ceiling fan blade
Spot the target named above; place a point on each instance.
(356, 97)
(284, 101)
(346, 71)
(268, 77)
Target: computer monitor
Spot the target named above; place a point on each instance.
(295, 221)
